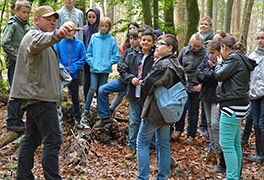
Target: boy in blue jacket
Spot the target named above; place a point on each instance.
(72, 56)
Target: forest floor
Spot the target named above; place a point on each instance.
(85, 157)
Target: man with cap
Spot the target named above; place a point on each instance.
(37, 88)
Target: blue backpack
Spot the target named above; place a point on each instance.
(171, 101)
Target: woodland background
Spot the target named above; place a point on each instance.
(100, 155)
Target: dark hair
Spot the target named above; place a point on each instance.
(231, 42)
(134, 33)
(149, 32)
(214, 45)
(170, 40)
(127, 43)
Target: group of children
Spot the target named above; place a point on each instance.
(216, 69)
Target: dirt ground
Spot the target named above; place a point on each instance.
(84, 158)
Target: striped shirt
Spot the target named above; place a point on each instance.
(240, 111)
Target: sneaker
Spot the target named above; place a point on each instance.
(175, 136)
(203, 132)
(101, 123)
(189, 141)
(131, 154)
(256, 158)
(217, 169)
(85, 116)
(18, 126)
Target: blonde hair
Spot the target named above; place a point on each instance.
(108, 21)
(22, 3)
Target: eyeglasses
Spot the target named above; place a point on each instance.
(259, 38)
(161, 43)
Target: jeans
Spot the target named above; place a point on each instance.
(203, 120)
(87, 78)
(74, 91)
(212, 117)
(118, 98)
(42, 126)
(104, 91)
(248, 126)
(257, 108)
(97, 80)
(10, 74)
(230, 142)
(135, 109)
(193, 112)
(146, 132)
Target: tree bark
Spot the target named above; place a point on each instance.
(246, 21)
(228, 15)
(193, 15)
(156, 13)
(146, 12)
(9, 137)
(236, 17)
(181, 21)
(210, 8)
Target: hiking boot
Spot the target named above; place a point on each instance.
(131, 154)
(203, 132)
(217, 169)
(256, 158)
(175, 136)
(189, 141)
(85, 116)
(18, 126)
(102, 122)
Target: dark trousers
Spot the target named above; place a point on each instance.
(42, 126)
(248, 126)
(87, 79)
(74, 92)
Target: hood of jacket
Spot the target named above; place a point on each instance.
(250, 63)
(97, 12)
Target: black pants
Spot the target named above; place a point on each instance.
(42, 126)
(74, 91)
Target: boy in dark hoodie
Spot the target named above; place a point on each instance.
(93, 20)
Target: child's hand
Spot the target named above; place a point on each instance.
(219, 59)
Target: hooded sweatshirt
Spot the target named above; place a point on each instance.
(89, 30)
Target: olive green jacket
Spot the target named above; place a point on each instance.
(37, 69)
(15, 29)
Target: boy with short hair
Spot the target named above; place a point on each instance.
(15, 29)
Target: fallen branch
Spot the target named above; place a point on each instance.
(9, 137)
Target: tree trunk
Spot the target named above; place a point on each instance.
(1, 19)
(215, 15)
(168, 17)
(210, 8)
(202, 13)
(9, 137)
(156, 13)
(193, 15)
(109, 9)
(146, 12)
(246, 21)
(236, 17)
(228, 15)
(181, 21)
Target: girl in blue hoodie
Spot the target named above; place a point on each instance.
(102, 53)
(92, 27)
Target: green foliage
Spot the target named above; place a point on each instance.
(3, 86)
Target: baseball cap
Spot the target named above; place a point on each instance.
(45, 11)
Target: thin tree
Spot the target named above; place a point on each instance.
(246, 21)
(181, 21)
(193, 15)
(156, 13)
(228, 15)
(168, 16)
(209, 8)
(146, 12)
